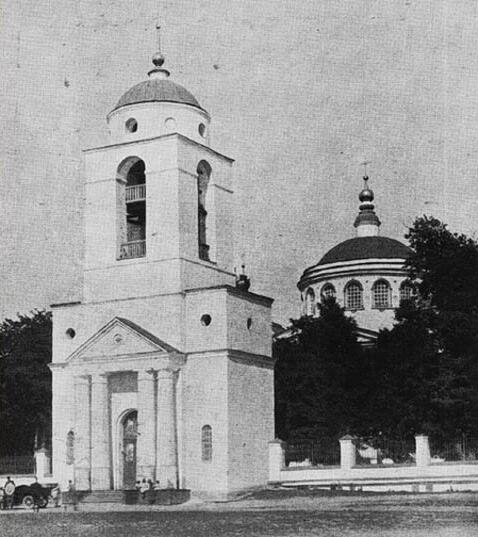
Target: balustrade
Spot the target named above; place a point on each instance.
(135, 193)
(132, 249)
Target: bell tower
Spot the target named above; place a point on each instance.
(164, 370)
(158, 197)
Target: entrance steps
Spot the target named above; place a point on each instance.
(103, 496)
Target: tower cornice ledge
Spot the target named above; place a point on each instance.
(161, 137)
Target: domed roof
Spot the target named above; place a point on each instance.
(157, 90)
(374, 247)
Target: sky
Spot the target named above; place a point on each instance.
(300, 94)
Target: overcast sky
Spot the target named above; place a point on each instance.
(300, 93)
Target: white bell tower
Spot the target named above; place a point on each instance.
(158, 198)
(163, 370)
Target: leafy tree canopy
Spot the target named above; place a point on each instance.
(25, 382)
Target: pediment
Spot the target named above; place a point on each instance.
(121, 337)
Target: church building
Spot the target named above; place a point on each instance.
(365, 274)
(163, 370)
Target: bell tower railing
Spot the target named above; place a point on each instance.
(135, 193)
(132, 249)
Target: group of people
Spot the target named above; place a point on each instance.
(6, 494)
(146, 485)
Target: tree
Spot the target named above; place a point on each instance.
(319, 376)
(428, 363)
(25, 382)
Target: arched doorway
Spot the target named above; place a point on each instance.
(129, 436)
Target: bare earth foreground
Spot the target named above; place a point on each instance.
(276, 514)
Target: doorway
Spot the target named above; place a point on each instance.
(129, 426)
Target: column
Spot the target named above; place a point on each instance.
(81, 447)
(422, 450)
(347, 452)
(146, 443)
(100, 433)
(166, 461)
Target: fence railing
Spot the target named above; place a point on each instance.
(130, 250)
(324, 452)
(385, 451)
(460, 449)
(135, 193)
(17, 464)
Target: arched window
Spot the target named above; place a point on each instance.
(353, 296)
(328, 291)
(206, 443)
(131, 207)
(310, 302)
(381, 295)
(70, 448)
(204, 174)
(406, 290)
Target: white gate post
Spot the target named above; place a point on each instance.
(42, 463)
(276, 459)
(347, 452)
(422, 450)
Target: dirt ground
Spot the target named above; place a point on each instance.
(270, 514)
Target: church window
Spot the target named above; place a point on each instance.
(203, 176)
(202, 130)
(206, 319)
(70, 448)
(353, 296)
(328, 291)
(310, 302)
(131, 207)
(249, 323)
(406, 291)
(206, 443)
(131, 125)
(70, 333)
(381, 295)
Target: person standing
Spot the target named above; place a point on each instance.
(2, 498)
(9, 493)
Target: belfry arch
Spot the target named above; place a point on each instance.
(131, 208)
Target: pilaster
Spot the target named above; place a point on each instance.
(146, 447)
(166, 462)
(82, 443)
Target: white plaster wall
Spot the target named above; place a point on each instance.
(62, 423)
(251, 424)
(161, 315)
(198, 336)
(205, 400)
(258, 338)
(152, 121)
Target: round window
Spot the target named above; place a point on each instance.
(206, 319)
(202, 129)
(170, 124)
(131, 125)
(70, 333)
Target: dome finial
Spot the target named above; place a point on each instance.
(158, 59)
(367, 222)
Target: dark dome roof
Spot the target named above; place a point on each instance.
(157, 90)
(365, 248)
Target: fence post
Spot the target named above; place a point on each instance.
(42, 463)
(422, 450)
(347, 452)
(276, 459)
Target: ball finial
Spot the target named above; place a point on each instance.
(158, 59)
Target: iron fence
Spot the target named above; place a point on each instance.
(17, 464)
(385, 450)
(323, 452)
(464, 448)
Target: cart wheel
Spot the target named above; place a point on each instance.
(42, 502)
(28, 501)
